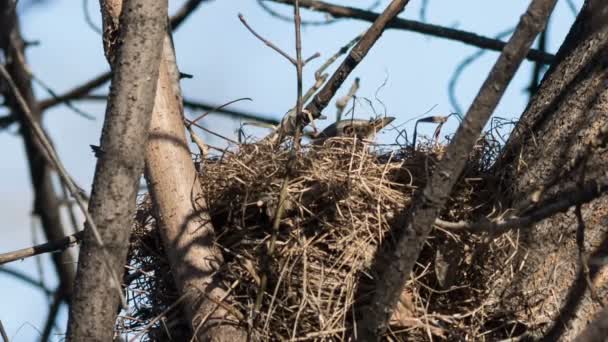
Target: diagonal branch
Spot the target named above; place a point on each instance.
(394, 263)
(465, 37)
(356, 55)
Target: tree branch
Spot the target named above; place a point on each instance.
(465, 37)
(19, 97)
(135, 70)
(396, 258)
(547, 208)
(355, 56)
(77, 92)
(176, 21)
(49, 247)
(27, 279)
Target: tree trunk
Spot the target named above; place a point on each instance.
(559, 142)
(118, 171)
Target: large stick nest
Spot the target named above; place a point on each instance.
(342, 200)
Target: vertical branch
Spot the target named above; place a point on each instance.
(394, 263)
(119, 168)
(297, 23)
(46, 201)
(185, 226)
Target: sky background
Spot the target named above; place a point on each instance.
(229, 63)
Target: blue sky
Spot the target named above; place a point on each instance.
(228, 63)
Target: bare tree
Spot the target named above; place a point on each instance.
(551, 175)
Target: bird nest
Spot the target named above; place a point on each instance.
(341, 201)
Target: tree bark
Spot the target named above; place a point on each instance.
(560, 141)
(186, 229)
(398, 254)
(135, 70)
(46, 202)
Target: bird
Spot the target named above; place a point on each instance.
(362, 129)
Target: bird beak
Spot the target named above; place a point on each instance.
(380, 123)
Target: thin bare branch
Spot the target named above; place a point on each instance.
(466, 37)
(26, 279)
(77, 92)
(46, 205)
(267, 42)
(184, 12)
(51, 316)
(176, 21)
(49, 247)
(547, 208)
(356, 55)
(218, 108)
(63, 174)
(200, 105)
(395, 260)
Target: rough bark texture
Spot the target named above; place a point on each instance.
(185, 228)
(46, 201)
(119, 168)
(597, 330)
(395, 259)
(559, 142)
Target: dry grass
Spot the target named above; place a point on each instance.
(342, 200)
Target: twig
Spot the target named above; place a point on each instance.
(162, 314)
(289, 167)
(67, 102)
(547, 208)
(63, 174)
(192, 104)
(52, 315)
(27, 279)
(49, 247)
(88, 19)
(288, 123)
(460, 69)
(267, 42)
(415, 26)
(184, 12)
(397, 257)
(219, 108)
(76, 92)
(299, 65)
(192, 123)
(342, 102)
